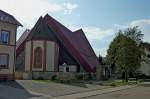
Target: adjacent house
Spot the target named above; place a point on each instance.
(51, 47)
(8, 28)
(145, 65)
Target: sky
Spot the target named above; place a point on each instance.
(99, 19)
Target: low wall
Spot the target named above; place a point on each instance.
(43, 75)
(52, 75)
(19, 75)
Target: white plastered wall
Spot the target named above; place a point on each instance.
(145, 66)
(50, 56)
(10, 48)
(10, 51)
(27, 55)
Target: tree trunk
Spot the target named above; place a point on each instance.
(126, 76)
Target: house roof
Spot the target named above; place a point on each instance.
(146, 45)
(85, 48)
(21, 41)
(76, 43)
(81, 51)
(5, 17)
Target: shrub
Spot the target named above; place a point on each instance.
(54, 77)
(79, 76)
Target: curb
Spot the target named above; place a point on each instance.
(108, 92)
(93, 93)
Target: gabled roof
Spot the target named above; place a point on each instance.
(76, 43)
(85, 48)
(20, 44)
(5, 17)
(85, 56)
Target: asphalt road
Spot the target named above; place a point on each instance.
(15, 90)
(139, 92)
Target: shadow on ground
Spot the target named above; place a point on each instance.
(13, 90)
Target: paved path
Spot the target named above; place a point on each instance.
(56, 89)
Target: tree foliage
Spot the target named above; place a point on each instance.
(134, 33)
(124, 51)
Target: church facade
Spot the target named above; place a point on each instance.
(51, 47)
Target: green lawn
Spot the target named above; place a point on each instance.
(118, 82)
(113, 83)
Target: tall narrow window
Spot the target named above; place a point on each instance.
(38, 58)
(4, 37)
(148, 56)
(4, 61)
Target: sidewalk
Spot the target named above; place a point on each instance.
(92, 93)
(57, 89)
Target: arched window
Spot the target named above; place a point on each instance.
(38, 57)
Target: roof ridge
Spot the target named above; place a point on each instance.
(11, 16)
(47, 15)
(78, 30)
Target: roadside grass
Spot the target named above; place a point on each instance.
(72, 82)
(82, 83)
(119, 82)
(45, 81)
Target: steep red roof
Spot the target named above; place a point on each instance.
(85, 48)
(81, 51)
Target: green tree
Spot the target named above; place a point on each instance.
(113, 48)
(128, 58)
(125, 53)
(134, 33)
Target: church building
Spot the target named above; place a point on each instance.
(51, 47)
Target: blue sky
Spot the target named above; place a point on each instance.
(99, 19)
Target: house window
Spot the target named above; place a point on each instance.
(67, 69)
(38, 58)
(148, 56)
(3, 61)
(4, 37)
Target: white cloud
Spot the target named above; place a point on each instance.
(94, 33)
(101, 51)
(28, 11)
(118, 27)
(144, 25)
(69, 7)
(141, 22)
